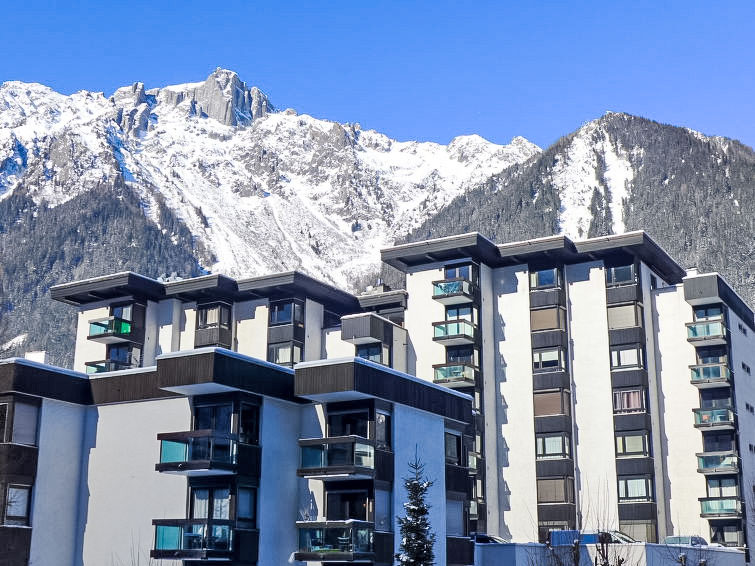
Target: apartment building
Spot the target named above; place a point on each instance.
(545, 384)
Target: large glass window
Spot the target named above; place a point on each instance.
(552, 403)
(545, 278)
(213, 316)
(644, 531)
(718, 441)
(348, 424)
(712, 355)
(462, 355)
(555, 490)
(246, 505)
(345, 505)
(621, 275)
(716, 398)
(454, 517)
(453, 449)
(722, 487)
(17, 500)
(639, 488)
(632, 444)
(709, 312)
(550, 359)
(624, 316)
(551, 446)
(461, 271)
(628, 400)
(547, 319)
(727, 533)
(286, 312)
(382, 430)
(249, 424)
(284, 353)
(25, 417)
(383, 515)
(629, 356)
(466, 312)
(372, 352)
(122, 311)
(210, 503)
(213, 417)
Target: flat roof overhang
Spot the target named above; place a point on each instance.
(107, 287)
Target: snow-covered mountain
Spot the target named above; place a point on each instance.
(260, 190)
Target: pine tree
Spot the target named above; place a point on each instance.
(417, 539)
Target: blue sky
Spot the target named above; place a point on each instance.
(415, 70)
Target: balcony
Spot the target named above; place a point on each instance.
(192, 539)
(708, 333)
(454, 332)
(103, 366)
(110, 330)
(343, 457)
(455, 375)
(453, 291)
(335, 541)
(705, 376)
(714, 463)
(720, 507)
(197, 453)
(714, 419)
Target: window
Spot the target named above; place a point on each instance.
(124, 354)
(122, 311)
(709, 312)
(383, 515)
(624, 316)
(716, 398)
(17, 499)
(726, 533)
(551, 359)
(382, 430)
(462, 355)
(213, 417)
(331, 320)
(213, 316)
(644, 531)
(551, 446)
(547, 319)
(456, 312)
(746, 368)
(372, 352)
(345, 505)
(621, 275)
(210, 503)
(286, 312)
(249, 424)
(284, 353)
(552, 403)
(722, 487)
(629, 356)
(454, 517)
(465, 271)
(712, 355)
(246, 505)
(348, 424)
(25, 423)
(453, 449)
(545, 278)
(555, 490)
(632, 444)
(629, 400)
(3, 420)
(639, 488)
(718, 442)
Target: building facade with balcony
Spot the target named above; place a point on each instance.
(546, 384)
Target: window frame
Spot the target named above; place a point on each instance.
(292, 346)
(636, 311)
(457, 444)
(564, 398)
(224, 317)
(620, 393)
(649, 488)
(719, 488)
(534, 278)
(537, 366)
(615, 353)
(611, 271)
(620, 440)
(365, 412)
(540, 446)
(17, 520)
(567, 488)
(249, 522)
(451, 272)
(708, 312)
(297, 312)
(560, 313)
(384, 443)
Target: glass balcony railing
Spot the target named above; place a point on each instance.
(336, 537)
(197, 445)
(103, 366)
(724, 462)
(720, 506)
(334, 453)
(188, 536)
(454, 329)
(449, 373)
(453, 289)
(713, 417)
(111, 325)
(706, 372)
(702, 330)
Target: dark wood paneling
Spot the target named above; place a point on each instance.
(547, 298)
(631, 421)
(623, 294)
(629, 378)
(554, 468)
(128, 387)
(637, 511)
(384, 465)
(548, 338)
(551, 380)
(212, 337)
(553, 423)
(18, 463)
(634, 466)
(32, 379)
(459, 551)
(15, 543)
(247, 546)
(324, 379)
(633, 335)
(458, 479)
(364, 326)
(383, 545)
(557, 512)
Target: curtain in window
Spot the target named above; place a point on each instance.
(220, 504)
(200, 503)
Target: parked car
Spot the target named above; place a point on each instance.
(691, 540)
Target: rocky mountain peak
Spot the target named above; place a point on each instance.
(223, 96)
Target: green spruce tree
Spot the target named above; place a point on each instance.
(417, 539)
